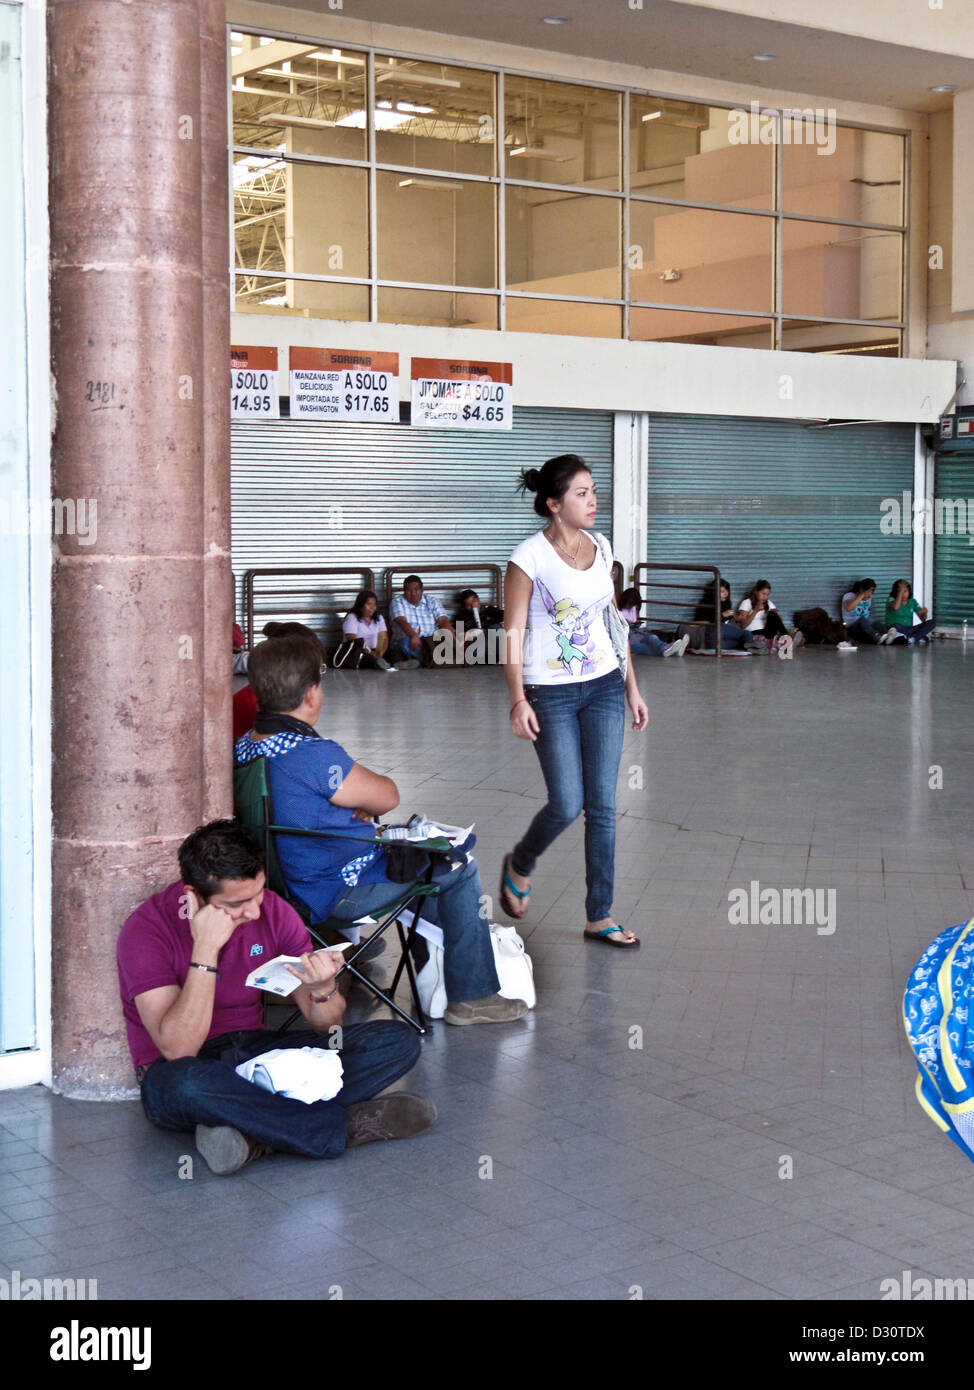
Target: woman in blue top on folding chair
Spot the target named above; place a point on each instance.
(316, 785)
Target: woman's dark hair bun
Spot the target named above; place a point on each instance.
(552, 481)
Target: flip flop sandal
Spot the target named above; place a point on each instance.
(522, 894)
(604, 935)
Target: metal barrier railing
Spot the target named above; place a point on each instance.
(639, 584)
(459, 569)
(332, 603)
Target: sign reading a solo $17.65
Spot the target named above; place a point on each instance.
(253, 384)
(343, 384)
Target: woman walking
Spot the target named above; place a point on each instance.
(567, 690)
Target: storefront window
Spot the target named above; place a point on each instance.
(680, 219)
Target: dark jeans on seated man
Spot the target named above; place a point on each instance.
(206, 1090)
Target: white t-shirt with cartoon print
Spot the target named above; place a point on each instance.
(567, 638)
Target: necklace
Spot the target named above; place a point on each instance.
(573, 558)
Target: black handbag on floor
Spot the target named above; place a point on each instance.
(349, 654)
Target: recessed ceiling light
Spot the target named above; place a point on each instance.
(556, 19)
(943, 89)
(765, 57)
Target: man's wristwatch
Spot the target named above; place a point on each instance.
(325, 997)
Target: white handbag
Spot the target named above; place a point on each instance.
(512, 962)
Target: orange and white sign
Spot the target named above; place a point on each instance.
(344, 384)
(253, 384)
(465, 395)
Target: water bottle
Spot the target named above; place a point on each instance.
(963, 631)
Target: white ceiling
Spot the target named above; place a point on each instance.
(685, 39)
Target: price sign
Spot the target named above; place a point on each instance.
(253, 384)
(462, 395)
(342, 384)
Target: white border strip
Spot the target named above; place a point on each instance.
(28, 1068)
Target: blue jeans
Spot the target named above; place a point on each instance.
(468, 956)
(915, 630)
(579, 747)
(732, 636)
(206, 1090)
(861, 630)
(642, 643)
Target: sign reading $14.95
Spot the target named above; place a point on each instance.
(253, 384)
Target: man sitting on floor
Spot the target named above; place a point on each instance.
(415, 618)
(183, 959)
(316, 785)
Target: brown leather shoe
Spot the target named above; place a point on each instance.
(493, 1009)
(397, 1116)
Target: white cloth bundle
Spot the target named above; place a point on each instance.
(300, 1073)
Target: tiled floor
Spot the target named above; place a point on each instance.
(615, 1167)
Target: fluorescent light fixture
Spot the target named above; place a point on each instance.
(539, 152)
(414, 110)
(235, 49)
(337, 56)
(764, 57)
(306, 122)
(385, 119)
(652, 116)
(556, 19)
(445, 185)
(416, 79)
(945, 88)
(239, 85)
(291, 76)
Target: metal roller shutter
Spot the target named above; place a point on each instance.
(315, 493)
(953, 584)
(777, 500)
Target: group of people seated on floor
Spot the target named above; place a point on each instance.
(756, 624)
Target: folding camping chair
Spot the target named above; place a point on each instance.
(252, 802)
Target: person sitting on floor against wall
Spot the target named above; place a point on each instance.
(191, 1019)
(473, 621)
(316, 785)
(417, 617)
(474, 614)
(760, 619)
(900, 608)
(854, 612)
(365, 637)
(641, 640)
(732, 635)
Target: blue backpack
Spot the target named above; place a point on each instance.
(936, 1012)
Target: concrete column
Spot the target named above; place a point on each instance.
(131, 363)
(217, 574)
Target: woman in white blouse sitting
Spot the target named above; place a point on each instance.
(366, 634)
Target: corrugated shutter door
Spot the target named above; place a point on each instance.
(313, 493)
(953, 565)
(776, 500)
